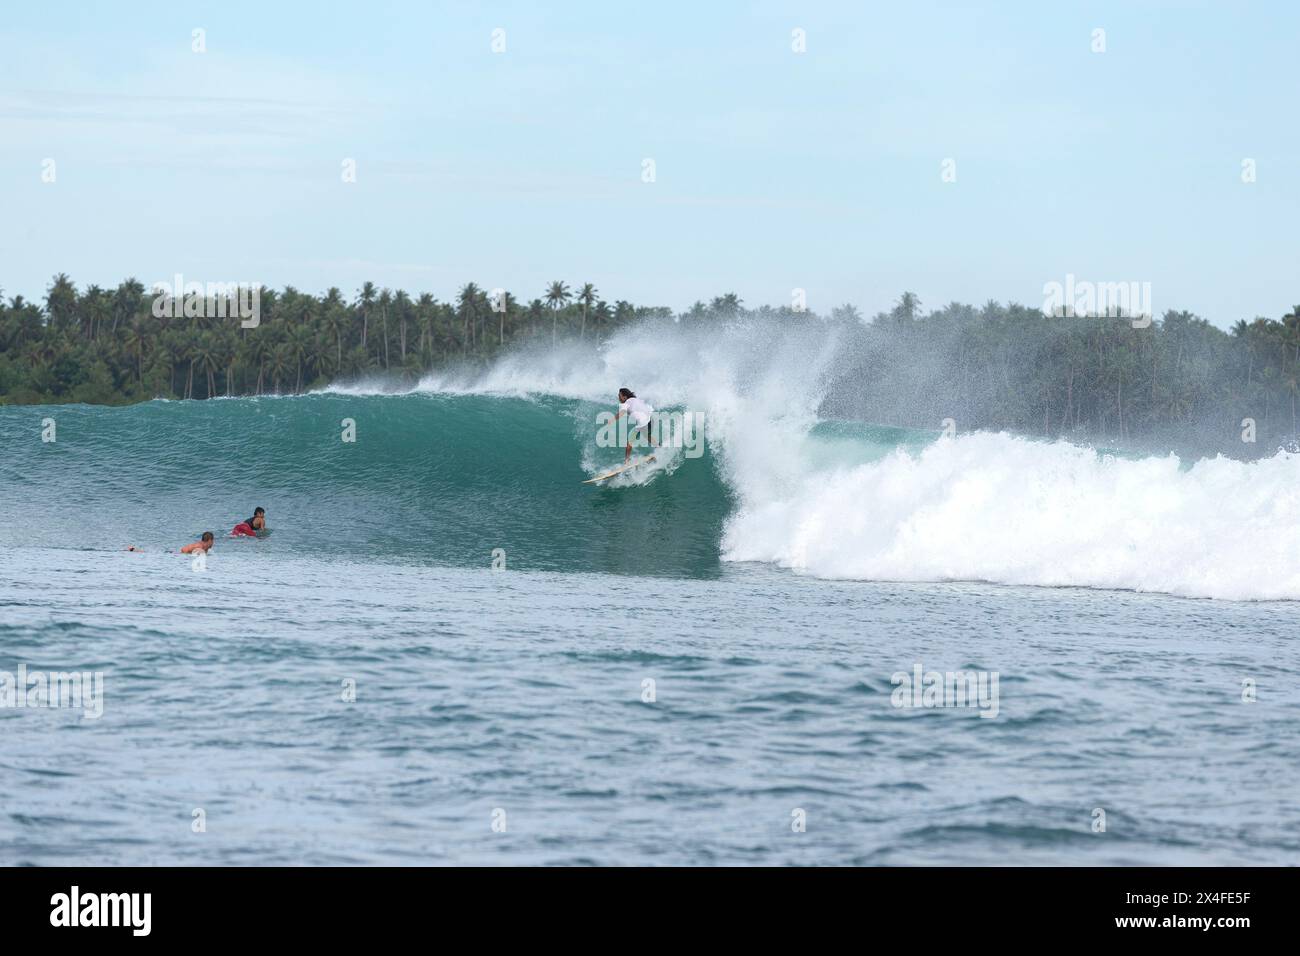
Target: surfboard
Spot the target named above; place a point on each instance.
(620, 469)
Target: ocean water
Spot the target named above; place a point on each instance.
(698, 663)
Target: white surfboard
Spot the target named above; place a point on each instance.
(620, 469)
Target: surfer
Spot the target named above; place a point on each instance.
(253, 525)
(640, 412)
(203, 544)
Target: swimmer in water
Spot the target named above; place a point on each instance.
(253, 525)
(203, 544)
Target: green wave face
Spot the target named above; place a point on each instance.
(435, 478)
(455, 477)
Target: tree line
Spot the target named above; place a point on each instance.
(104, 346)
(1097, 378)
(1173, 383)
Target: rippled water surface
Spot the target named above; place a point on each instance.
(517, 697)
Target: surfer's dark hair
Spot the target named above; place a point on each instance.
(207, 536)
(626, 393)
(258, 511)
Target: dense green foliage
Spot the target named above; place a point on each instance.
(1179, 379)
(1179, 382)
(108, 347)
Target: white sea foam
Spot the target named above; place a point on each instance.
(994, 507)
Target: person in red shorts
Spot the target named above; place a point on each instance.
(253, 525)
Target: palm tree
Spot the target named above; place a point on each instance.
(300, 344)
(259, 349)
(424, 312)
(193, 349)
(1291, 323)
(623, 311)
(601, 316)
(907, 308)
(402, 305)
(210, 359)
(557, 297)
(508, 304)
(466, 306)
(228, 341)
(385, 300)
(137, 332)
(173, 348)
(96, 308)
(281, 361)
(327, 366)
(127, 301)
(365, 299)
(61, 303)
(30, 326)
(726, 305)
(535, 312)
(356, 361)
(587, 296)
(335, 320)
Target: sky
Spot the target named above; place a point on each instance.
(519, 157)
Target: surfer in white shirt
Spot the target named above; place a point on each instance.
(640, 412)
